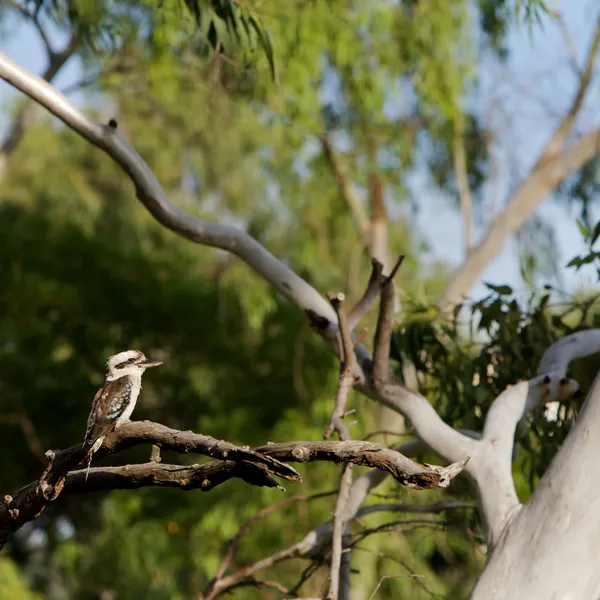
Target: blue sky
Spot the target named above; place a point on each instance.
(524, 98)
(528, 97)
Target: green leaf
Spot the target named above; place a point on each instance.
(595, 234)
(265, 42)
(503, 290)
(583, 229)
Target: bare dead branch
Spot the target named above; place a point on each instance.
(146, 432)
(337, 423)
(245, 528)
(253, 466)
(346, 374)
(29, 502)
(338, 533)
(376, 283)
(366, 454)
(371, 294)
(383, 337)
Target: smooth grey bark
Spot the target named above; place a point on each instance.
(550, 547)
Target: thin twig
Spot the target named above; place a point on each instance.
(383, 337)
(376, 283)
(337, 535)
(382, 579)
(337, 423)
(368, 299)
(245, 528)
(346, 374)
(33, 17)
(226, 583)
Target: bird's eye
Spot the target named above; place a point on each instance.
(127, 362)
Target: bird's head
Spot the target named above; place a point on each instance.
(130, 362)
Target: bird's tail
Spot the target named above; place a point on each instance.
(91, 446)
(89, 462)
(90, 453)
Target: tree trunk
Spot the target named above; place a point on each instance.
(549, 549)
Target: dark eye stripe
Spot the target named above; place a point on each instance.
(127, 362)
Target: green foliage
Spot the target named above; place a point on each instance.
(13, 584)
(501, 343)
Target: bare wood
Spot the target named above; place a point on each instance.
(383, 334)
(253, 466)
(377, 281)
(366, 454)
(337, 534)
(29, 502)
(368, 299)
(233, 545)
(337, 423)
(346, 374)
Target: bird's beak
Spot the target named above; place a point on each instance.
(150, 363)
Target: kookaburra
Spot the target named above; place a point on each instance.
(115, 400)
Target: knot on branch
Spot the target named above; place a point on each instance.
(52, 480)
(301, 454)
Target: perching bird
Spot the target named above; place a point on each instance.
(115, 400)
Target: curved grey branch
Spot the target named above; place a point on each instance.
(151, 194)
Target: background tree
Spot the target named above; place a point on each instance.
(258, 154)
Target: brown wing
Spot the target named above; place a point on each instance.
(107, 405)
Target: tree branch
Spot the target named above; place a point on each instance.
(366, 454)
(367, 300)
(337, 535)
(349, 195)
(33, 18)
(346, 374)
(56, 61)
(153, 197)
(245, 528)
(253, 466)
